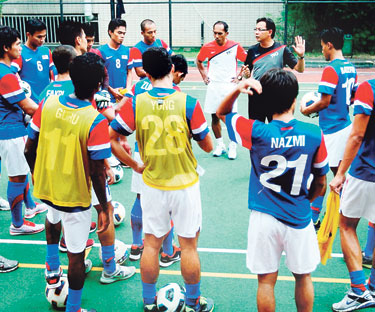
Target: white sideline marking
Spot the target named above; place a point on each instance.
(208, 250)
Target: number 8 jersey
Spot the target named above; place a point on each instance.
(283, 157)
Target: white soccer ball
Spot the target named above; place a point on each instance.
(121, 252)
(119, 213)
(171, 298)
(113, 161)
(118, 172)
(310, 98)
(57, 297)
(25, 87)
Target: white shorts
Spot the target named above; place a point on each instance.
(335, 143)
(12, 155)
(268, 238)
(137, 182)
(216, 92)
(182, 206)
(76, 227)
(358, 199)
(94, 198)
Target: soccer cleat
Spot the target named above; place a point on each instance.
(205, 305)
(88, 265)
(4, 205)
(92, 227)
(232, 151)
(26, 228)
(352, 301)
(317, 225)
(366, 261)
(121, 273)
(150, 307)
(32, 212)
(53, 278)
(166, 261)
(62, 245)
(7, 265)
(135, 252)
(219, 150)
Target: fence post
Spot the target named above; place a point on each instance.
(113, 14)
(285, 21)
(170, 23)
(202, 33)
(61, 11)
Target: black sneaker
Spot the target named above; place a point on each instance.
(205, 305)
(317, 225)
(166, 261)
(366, 261)
(135, 252)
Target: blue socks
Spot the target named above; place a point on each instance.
(15, 199)
(358, 281)
(108, 256)
(371, 280)
(136, 222)
(168, 243)
(52, 258)
(193, 292)
(74, 300)
(29, 202)
(370, 244)
(316, 208)
(148, 293)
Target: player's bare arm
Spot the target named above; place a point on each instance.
(299, 49)
(30, 153)
(318, 187)
(323, 103)
(98, 177)
(206, 144)
(247, 86)
(129, 79)
(203, 72)
(109, 172)
(28, 106)
(115, 92)
(351, 149)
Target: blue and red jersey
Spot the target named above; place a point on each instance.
(98, 144)
(34, 67)
(338, 79)
(141, 47)
(11, 115)
(363, 166)
(283, 157)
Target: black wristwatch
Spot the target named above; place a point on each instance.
(301, 57)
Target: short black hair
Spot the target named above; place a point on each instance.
(157, 62)
(180, 63)
(8, 36)
(86, 71)
(33, 25)
(279, 90)
(333, 35)
(68, 31)
(145, 22)
(225, 25)
(270, 24)
(89, 29)
(116, 23)
(62, 57)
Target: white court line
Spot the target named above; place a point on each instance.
(208, 250)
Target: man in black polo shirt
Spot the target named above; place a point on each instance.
(267, 54)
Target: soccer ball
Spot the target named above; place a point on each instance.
(113, 161)
(171, 298)
(118, 172)
(25, 87)
(57, 297)
(121, 252)
(119, 213)
(310, 98)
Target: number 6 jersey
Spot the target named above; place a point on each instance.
(283, 157)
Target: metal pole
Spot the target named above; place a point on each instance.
(285, 21)
(202, 33)
(170, 23)
(113, 14)
(61, 11)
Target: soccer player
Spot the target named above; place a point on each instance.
(118, 59)
(148, 31)
(72, 33)
(222, 55)
(68, 142)
(13, 106)
(35, 65)
(90, 37)
(336, 86)
(171, 183)
(267, 54)
(284, 154)
(170, 254)
(357, 198)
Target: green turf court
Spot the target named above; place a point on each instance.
(222, 245)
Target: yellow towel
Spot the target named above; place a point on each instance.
(328, 229)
